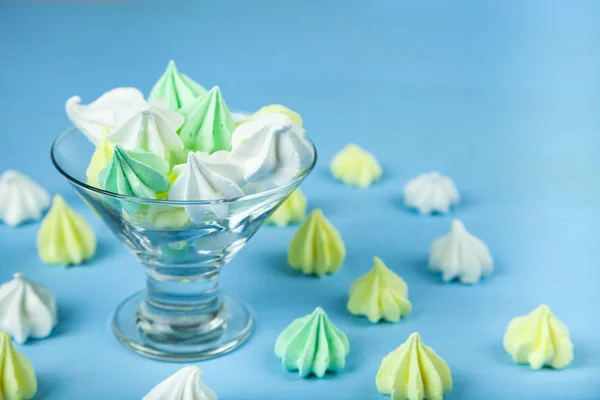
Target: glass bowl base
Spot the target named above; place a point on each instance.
(233, 331)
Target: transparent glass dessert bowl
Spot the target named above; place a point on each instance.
(182, 315)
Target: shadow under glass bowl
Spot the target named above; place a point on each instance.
(183, 245)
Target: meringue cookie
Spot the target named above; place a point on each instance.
(97, 119)
(203, 177)
(539, 339)
(272, 147)
(135, 174)
(27, 309)
(240, 116)
(17, 377)
(414, 372)
(208, 123)
(431, 192)
(379, 294)
(64, 237)
(175, 89)
(279, 109)
(312, 345)
(185, 384)
(460, 255)
(293, 209)
(101, 157)
(317, 247)
(355, 167)
(150, 127)
(21, 199)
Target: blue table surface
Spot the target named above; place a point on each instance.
(501, 95)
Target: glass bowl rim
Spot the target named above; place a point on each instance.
(247, 198)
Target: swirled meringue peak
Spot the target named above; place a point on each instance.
(379, 294)
(17, 377)
(414, 372)
(206, 177)
(21, 199)
(355, 167)
(135, 174)
(27, 309)
(97, 119)
(539, 339)
(101, 157)
(64, 237)
(208, 123)
(185, 384)
(150, 127)
(460, 255)
(175, 89)
(317, 247)
(271, 147)
(430, 193)
(312, 345)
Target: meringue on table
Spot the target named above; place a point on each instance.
(17, 377)
(431, 192)
(21, 199)
(27, 309)
(185, 384)
(460, 255)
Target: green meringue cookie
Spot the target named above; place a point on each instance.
(312, 345)
(175, 89)
(208, 123)
(135, 173)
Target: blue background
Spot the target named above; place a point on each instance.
(500, 95)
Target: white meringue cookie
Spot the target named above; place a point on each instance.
(205, 178)
(148, 126)
(185, 384)
(27, 309)
(460, 255)
(271, 147)
(21, 199)
(431, 192)
(97, 119)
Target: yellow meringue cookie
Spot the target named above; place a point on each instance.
(293, 209)
(279, 109)
(101, 157)
(379, 294)
(355, 167)
(414, 372)
(539, 339)
(17, 377)
(64, 237)
(317, 247)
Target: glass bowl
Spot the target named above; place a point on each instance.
(182, 245)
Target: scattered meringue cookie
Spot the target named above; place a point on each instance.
(293, 209)
(414, 372)
(205, 177)
(312, 345)
(317, 247)
(148, 126)
(97, 119)
(355, 167)
(431, 192)
(17, 377)
(460, 255)
(379, 294)
(64, 237)
(27, 309)
(273, 147)
(185, 384)
(21, 199)
(539, 339)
